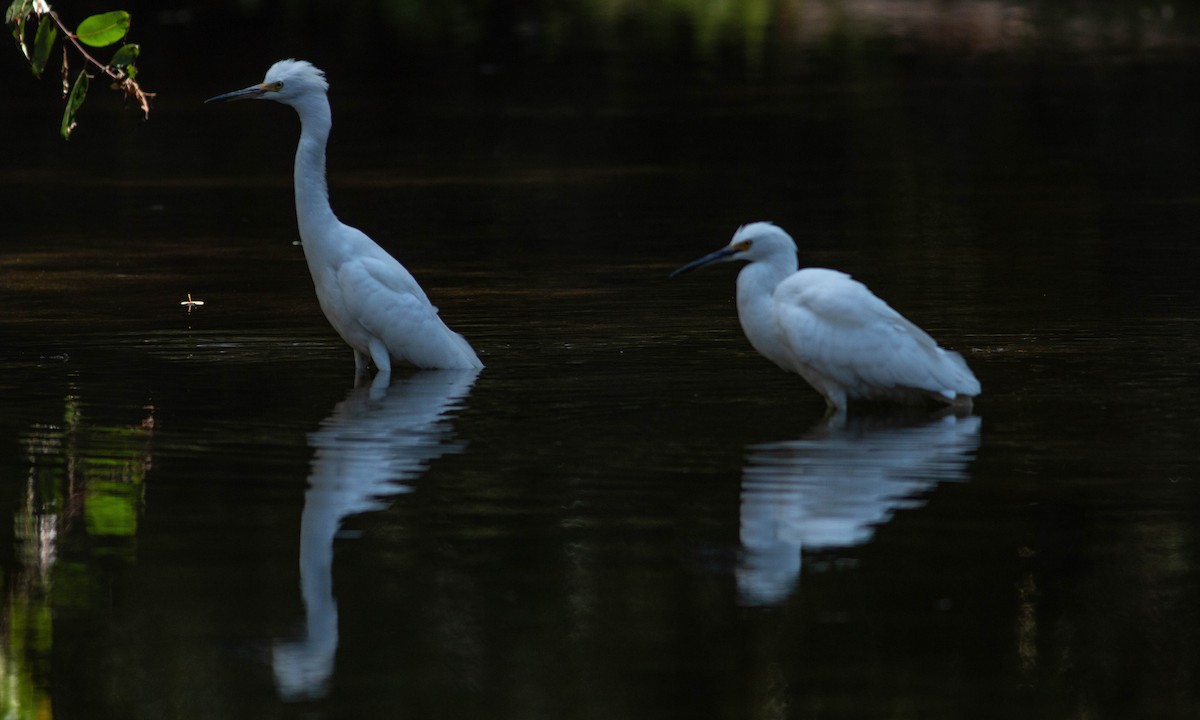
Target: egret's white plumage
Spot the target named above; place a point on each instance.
(832, 331)
(372, 301)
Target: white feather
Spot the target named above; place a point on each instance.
(369, 298)
(834, 332)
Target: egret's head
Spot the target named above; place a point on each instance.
(755, 241)
(287, 82)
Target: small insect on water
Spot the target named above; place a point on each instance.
(190, 303)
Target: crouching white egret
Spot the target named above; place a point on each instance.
(834, 332)
(370, 299)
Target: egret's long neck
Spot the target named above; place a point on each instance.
(756, 285)
(312, 192)
(758, 280)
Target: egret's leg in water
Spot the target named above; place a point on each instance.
(380, 356)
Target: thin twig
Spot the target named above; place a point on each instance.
(82, 51)
(122, 80)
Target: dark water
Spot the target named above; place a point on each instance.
(627, 513)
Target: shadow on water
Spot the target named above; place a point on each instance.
(376, 441)
(832, 487)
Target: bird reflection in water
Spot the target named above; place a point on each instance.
(375, 442)
(832, 487)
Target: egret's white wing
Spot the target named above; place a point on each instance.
(386, 269)
(387, 302)
(836, 326)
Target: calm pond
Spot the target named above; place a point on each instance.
(627, 513)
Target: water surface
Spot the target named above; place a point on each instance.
(628, 513)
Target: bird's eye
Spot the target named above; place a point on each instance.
(277, 85)
(743, 246)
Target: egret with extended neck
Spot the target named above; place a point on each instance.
(371, 300)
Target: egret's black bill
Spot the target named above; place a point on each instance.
(244, 94)
(707, 259)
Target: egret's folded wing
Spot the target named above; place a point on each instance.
(388, 271)
(837, 326)
(391, 306)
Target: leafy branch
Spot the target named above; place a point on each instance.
(96, 31)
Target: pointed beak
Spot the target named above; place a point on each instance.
(250, 93)
(722, 254)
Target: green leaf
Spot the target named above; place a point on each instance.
(16, 15)
(74, 100)
(18, 33)
(47, 33)
(104, 29)
(18, 10)
(125, 56)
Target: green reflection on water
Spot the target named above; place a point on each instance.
(82, 496)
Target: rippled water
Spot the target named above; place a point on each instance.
(627, 513)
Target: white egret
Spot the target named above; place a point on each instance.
(834, 332)
(370, 299)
